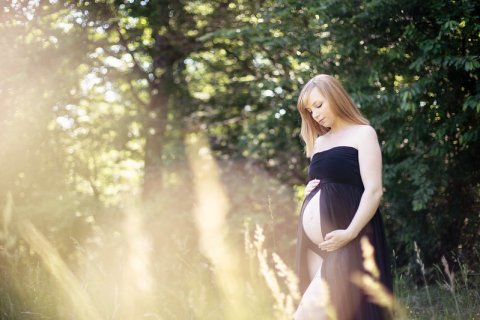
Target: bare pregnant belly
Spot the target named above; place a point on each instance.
(311, 219)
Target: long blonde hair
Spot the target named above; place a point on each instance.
(338, 99)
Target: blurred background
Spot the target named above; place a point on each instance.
(151, 165)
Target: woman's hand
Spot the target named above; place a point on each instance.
(336, 239)
(310, 186)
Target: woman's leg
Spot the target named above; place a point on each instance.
(314, 262)
(312, 303)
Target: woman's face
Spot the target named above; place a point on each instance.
(319, 108)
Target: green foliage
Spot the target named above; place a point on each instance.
(420, 91)
(84, 85)
(411, 67)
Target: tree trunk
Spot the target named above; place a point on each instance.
(155, 127)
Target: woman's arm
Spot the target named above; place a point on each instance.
(370, 160)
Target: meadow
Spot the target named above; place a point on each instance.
(164, 261)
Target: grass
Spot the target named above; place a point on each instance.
(151, 264)
(450, 296)
(37, 283)
(416, 301)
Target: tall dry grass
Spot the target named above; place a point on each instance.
(146, 262)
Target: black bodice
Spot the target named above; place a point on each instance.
(341, 166)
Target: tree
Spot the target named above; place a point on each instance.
(412, 69)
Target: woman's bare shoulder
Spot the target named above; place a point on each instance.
(363, 127)
(319, 142)
(366, 137)
(362, 130)
(319, 139)
(366, 129)
(318, 145)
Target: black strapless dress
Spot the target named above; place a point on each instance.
(340, 181)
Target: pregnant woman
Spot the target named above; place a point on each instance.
(340, 205)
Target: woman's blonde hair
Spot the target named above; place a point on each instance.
(340, 102)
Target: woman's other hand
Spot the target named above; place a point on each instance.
(336, 239)
(310, 186)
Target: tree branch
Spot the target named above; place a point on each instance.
(136, 65)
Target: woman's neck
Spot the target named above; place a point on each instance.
(338, 127)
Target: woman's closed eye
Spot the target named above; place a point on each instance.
(310, 110)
